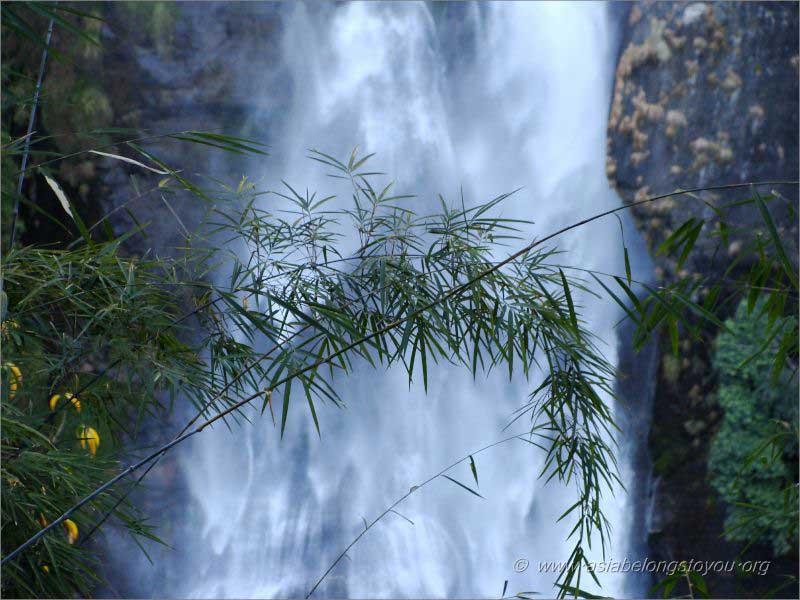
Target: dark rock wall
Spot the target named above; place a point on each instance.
(174, 66)
(704, 94)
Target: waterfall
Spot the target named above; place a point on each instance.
(516, 97)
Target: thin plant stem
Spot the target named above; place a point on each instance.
(28, 136)
(401, 499)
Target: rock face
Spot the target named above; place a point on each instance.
(704, 94)
(169, 67)
(158, 67)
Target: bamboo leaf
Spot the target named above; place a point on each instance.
(69, 208)
(60, 195)
(627, 266)
(473, 469)
(675, 237)
(287, 390)
(688, 244)
(313, 411)
(699, 583)
(572, 316)
(776, 239)
(129, 160)
(672, 324)
(469, 489)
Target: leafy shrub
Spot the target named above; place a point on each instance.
(87, 354)
(752, 457)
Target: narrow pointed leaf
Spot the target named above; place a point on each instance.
(458, 483)
(473, 469)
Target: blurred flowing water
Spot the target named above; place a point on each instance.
(495, 97)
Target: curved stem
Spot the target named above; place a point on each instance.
(401, 499)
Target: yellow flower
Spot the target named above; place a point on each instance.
(45, 568)
(71, 397)
(7, 325)
(14, 379)
(72, 531)
(42, 520)
(89, 439)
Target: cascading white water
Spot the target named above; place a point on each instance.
(525, 107)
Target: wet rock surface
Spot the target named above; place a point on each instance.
(704, 94)
(176, 67)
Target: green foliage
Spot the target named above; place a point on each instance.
(418, 290)
(8, 191)
(761, 271)
(752, 459)
(82, 317)
(42, 472)
(89, 323)
(685, 577)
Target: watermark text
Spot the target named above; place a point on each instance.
(664, 567)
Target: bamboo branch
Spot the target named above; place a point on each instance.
(329, 358)
(208, 403)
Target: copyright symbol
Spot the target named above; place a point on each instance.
(521, 565)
